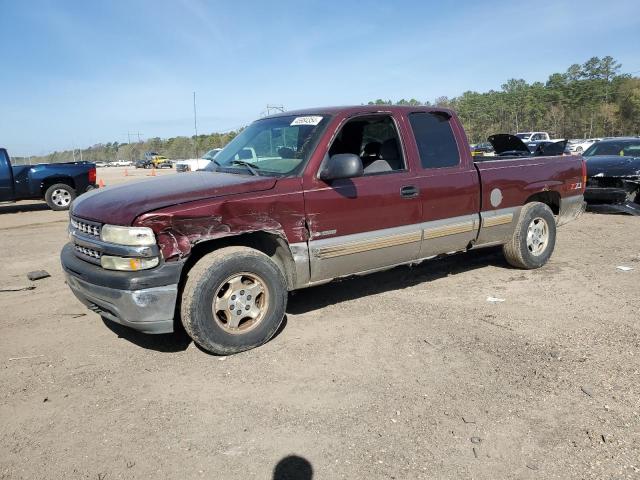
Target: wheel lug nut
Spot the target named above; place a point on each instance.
(247, 307)
(241, 292)
(238, 312)
(248, 297)
(233, 297)
(232, 307)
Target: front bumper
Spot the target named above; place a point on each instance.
(598, 195)
(144, 300)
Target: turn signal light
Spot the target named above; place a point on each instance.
(109, 262)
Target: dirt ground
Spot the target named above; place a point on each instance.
(406, 374)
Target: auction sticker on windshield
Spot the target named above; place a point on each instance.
(309, 120)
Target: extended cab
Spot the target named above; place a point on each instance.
(332, 192)
(57, 183)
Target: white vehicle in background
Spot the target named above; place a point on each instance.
(580, 145)
(122, 163)
(533, 136)
(101, 164)
(194, 164)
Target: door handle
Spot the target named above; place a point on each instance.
(409, 191)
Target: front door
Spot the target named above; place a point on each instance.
(6, 177)
(369, 222)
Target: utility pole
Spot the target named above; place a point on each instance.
(129, 145)
(275, 108)
(195, 125)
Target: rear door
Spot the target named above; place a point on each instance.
(369, 222)
(448, 183)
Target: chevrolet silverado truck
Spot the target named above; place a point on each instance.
(57, 183)
(355, 190)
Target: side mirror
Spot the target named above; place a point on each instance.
(342, 165)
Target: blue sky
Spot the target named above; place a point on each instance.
(76, 73)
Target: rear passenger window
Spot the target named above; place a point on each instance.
(436, 143)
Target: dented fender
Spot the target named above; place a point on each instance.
(179, 228)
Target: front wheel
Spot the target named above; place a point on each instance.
(533, 239)
(59, 196)
(234, 299)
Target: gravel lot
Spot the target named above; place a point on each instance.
(405, 374)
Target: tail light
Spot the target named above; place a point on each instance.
(92, 175)
(584, 173)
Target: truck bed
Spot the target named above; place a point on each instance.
(504, 174)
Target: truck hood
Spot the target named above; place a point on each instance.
(613, 166)
(504, 142)
(122, 204)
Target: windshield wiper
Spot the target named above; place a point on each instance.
(253, 168)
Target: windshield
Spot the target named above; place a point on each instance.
(273, 146)
(623, 149)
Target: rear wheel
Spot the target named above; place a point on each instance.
(59, 196)
(533, 239)
(234, 299)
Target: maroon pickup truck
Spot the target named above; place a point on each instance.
(302, 198)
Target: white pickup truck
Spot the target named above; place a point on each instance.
(533, 136)
(194, 164)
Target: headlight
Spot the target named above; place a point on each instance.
(109, 262)
(136, 236)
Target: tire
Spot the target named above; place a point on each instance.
(211, 285)
(534, 237)
(59, 196)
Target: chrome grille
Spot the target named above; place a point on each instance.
(89, 252)
(87, 228)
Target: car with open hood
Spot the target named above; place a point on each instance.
(507, 145)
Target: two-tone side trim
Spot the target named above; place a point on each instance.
(497, 226)
(367, 245)
(446, 230)
(497, 220)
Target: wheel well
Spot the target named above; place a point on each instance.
(47, 182)
(272, 245)
(551, 199)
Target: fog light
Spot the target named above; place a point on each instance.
(129, 264)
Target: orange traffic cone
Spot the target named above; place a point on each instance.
(126, 172)
(153, 171)
(100, 183)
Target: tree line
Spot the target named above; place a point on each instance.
(174, 148)
(590, 100)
